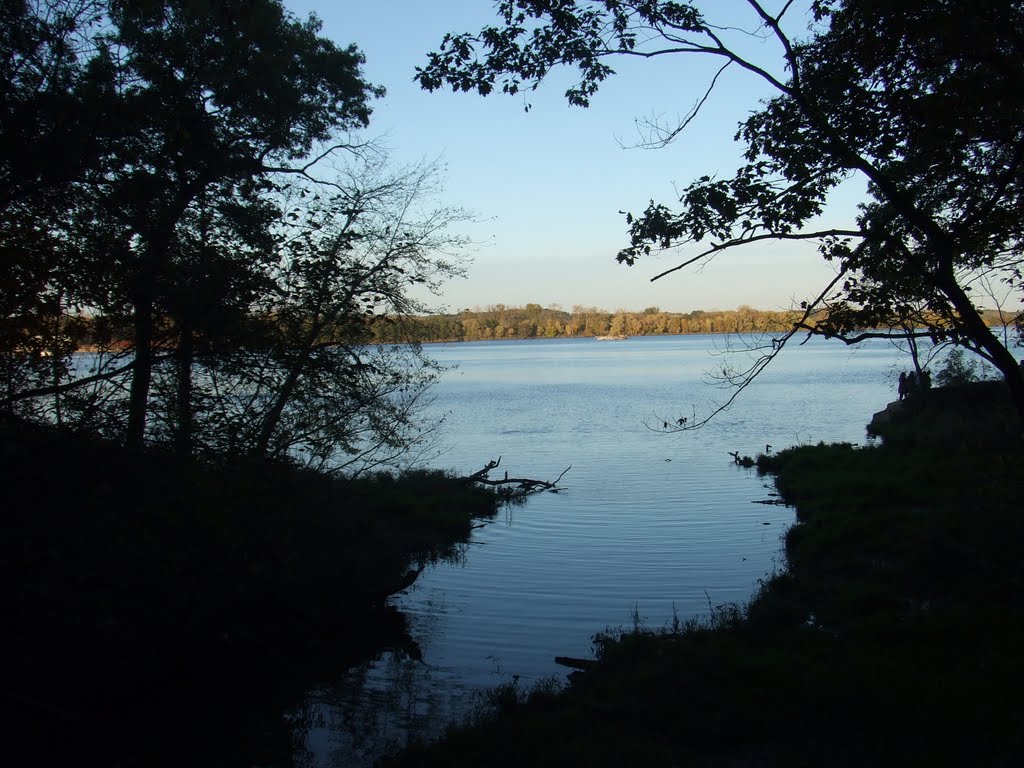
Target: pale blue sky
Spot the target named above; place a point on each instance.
(548, 184)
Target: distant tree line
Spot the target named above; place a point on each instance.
(536, 322)
(500, 321)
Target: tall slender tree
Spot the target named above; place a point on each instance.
(213, 97)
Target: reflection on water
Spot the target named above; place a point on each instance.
(376, 707)
(650, 524)
(373, 709)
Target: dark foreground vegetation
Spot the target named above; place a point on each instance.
(158, 612)
(891, 636)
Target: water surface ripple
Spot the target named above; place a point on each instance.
(649, 524)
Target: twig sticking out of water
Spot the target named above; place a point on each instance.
(515, 486)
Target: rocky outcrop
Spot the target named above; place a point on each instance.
(977, 411)
(892, 412)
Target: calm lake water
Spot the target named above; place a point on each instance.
(649, 524)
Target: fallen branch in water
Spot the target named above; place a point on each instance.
(743, 461)
(574, 663)
(514, 486)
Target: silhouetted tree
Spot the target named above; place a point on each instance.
(51, 135)
(214, 97)
(311, 382)
(920, 99)
(193, 109)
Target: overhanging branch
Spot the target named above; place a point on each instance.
(59, 389)
(740, 241)
(746, 378)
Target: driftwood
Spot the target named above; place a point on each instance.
(574, 663)
(743, 461)
(516, 486)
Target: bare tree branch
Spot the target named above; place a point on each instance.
(668, 136)
(514, 486)
(745, 378)
(746, 240)
(77, 383)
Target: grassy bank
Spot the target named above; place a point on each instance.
(151, 607)
(891, 637)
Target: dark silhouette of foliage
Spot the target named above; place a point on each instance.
(165, 205)
(164, 212)
(196, 600)
(921, 100)
(213, 98)
(309, 382)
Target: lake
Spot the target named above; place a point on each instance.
(649, 524)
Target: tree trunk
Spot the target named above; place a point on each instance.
(142, 373)
(284, 394)
(145, 330)
(979, 333)
(1012, 374)
(185, 427)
